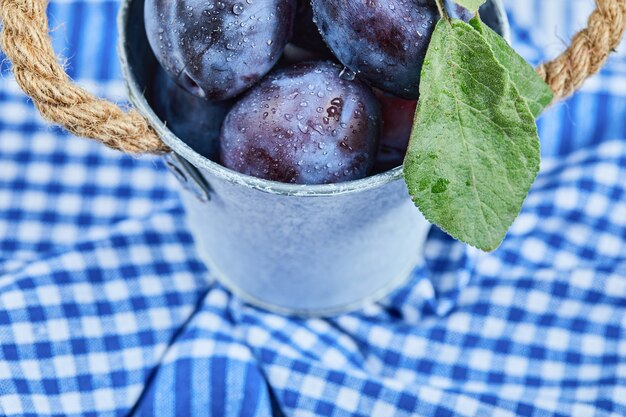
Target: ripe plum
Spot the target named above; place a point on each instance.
(194, 120)
(217, 49)
(397, 118)
(303, 124)
(383, 41)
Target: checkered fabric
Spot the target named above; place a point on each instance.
(105, 309)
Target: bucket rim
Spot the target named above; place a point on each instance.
(140, 102)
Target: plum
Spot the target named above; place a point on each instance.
(294, 55)
(383, 41)
(397, 118)
(306, 34)
(217, 49)
(458, 12)
(303, 124)
(307, 43)
(194, 120)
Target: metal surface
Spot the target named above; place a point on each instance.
(188, 176)
(308, 250)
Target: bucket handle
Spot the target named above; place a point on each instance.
(26, 43)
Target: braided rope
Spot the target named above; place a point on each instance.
(26, 42)
(28, 46)
(588, 50)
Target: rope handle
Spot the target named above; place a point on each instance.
(26, 43)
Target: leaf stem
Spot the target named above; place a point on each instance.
(442, 10)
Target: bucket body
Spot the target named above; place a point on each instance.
(294, 249)
(307, 255)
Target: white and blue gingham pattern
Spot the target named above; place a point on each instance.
(105, 309)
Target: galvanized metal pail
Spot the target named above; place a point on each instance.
(307, 250)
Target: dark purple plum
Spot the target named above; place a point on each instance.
(306, 43)
(306, 35)
(491, 15)
(295, 55)
(194, 120)
(383, 41)
(303, 124)
(397, 118)
(458, 12)
(217, 49)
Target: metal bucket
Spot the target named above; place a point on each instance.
(307, 250)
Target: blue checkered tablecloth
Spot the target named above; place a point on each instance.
(105, 309)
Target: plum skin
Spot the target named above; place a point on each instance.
(194, 120)
(457, 12)
(303, 125)
(397, 118)
(306, 34)
(383, 41)
(218, 49)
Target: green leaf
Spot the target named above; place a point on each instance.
(530, 85)
(474, 150)
(472, 5)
